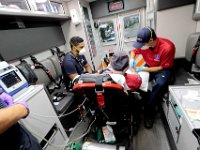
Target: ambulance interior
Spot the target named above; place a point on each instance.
(97, 113)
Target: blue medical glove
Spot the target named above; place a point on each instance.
(138, 69)
(7, 99)
(132, 63)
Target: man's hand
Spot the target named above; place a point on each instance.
(138, 69)
(132, 63)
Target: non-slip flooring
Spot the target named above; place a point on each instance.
(151, 139)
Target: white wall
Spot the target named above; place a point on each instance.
(176, 24)
(69, 29)
(198, 26)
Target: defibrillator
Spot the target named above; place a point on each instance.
(11, 79)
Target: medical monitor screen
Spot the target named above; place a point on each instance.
(10, 79)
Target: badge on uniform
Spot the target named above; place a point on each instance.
(157, 57)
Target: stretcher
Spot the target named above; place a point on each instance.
(108, 102)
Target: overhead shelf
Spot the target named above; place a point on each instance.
(36, 15)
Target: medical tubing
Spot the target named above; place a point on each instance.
(83, 133)
(60, 116)
(35, 133)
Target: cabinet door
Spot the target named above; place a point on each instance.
(187, 140)
(173, 121)
(165, 105)
(40, 107)
(42, 115)
(56, 142)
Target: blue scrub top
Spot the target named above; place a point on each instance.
(72, 65)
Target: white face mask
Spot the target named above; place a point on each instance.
(144, 47)
(82, 51)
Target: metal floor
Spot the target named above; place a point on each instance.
(145, 139)
(151, 139)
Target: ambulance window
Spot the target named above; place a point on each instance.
(57, 8)
(131, 26)
(14, 4)
(41, 5)
(107, 32)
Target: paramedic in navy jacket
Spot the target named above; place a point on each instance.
(158, 54)
(14, 136)
(74, 62)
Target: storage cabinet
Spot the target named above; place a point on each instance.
(33, 10)
(42, 120)
(174, 122)
(165, 104)
(183, 116)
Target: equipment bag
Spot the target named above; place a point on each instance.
(27, 72)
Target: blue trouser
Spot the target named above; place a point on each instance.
(159, 87)
(18, 138)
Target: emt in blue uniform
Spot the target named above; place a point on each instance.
(14, 136)
(75, 62)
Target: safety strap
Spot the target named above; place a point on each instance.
(59, 53)
(194, 50)
(37, 64)
(60, 77)
(99, 91)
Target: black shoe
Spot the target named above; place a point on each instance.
(148, 122)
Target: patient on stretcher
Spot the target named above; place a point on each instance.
(118, 72)
(107, 92)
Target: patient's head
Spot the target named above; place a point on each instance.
(120, 62)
